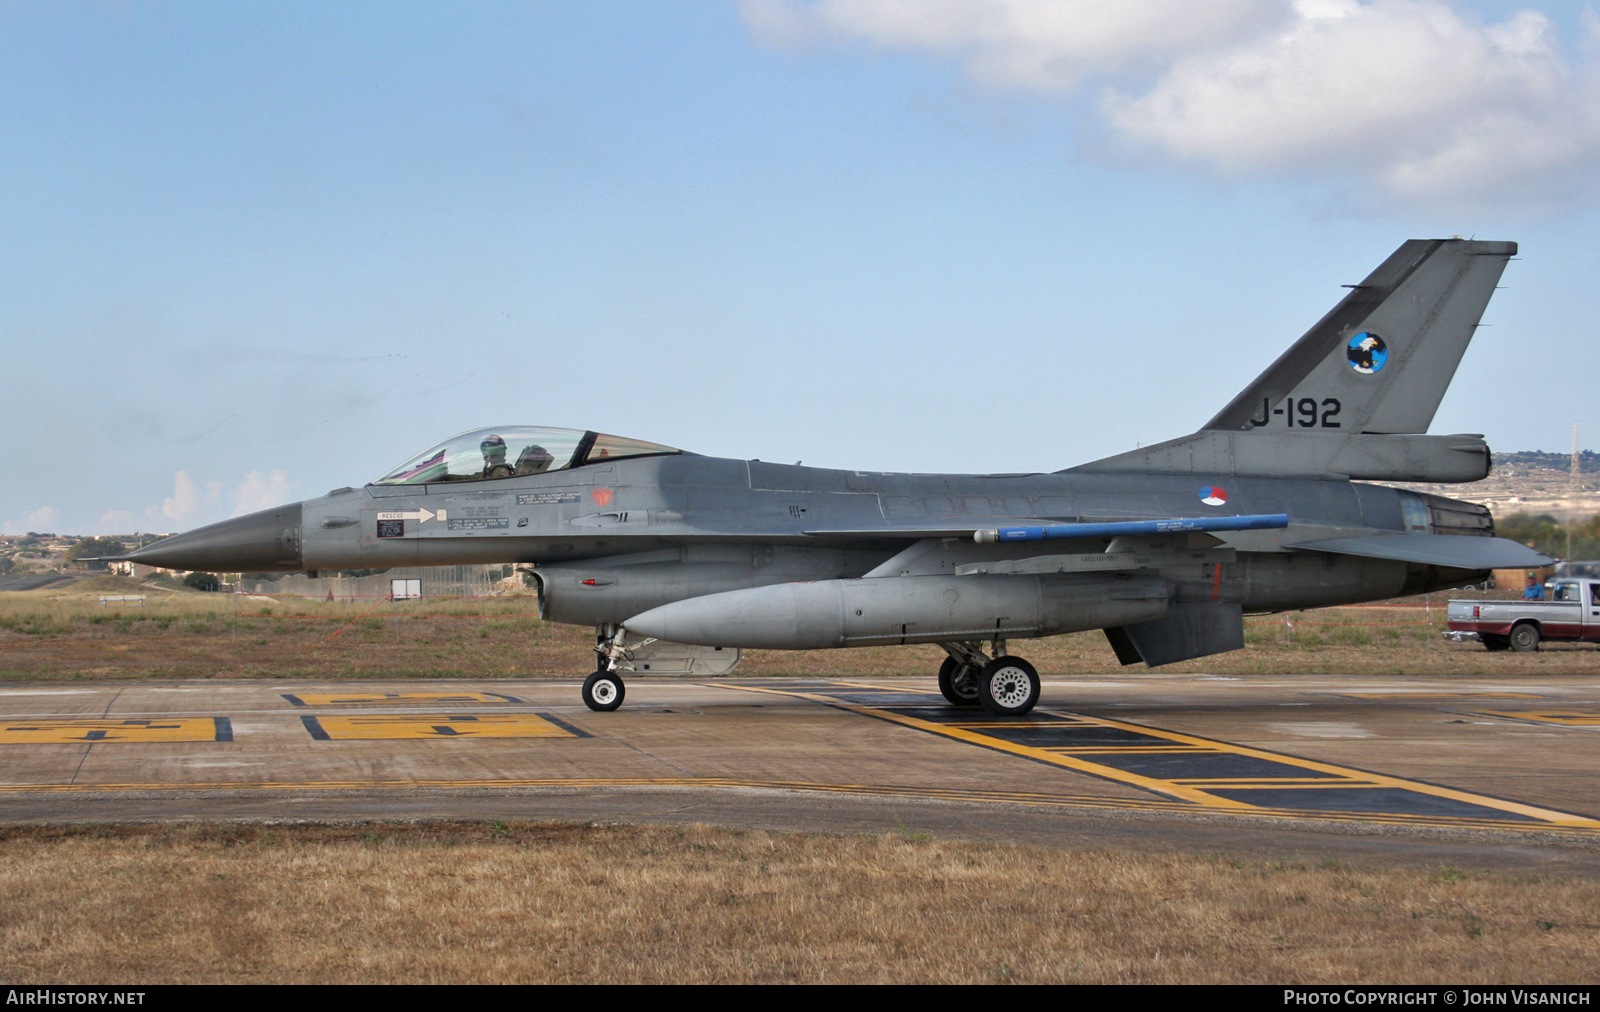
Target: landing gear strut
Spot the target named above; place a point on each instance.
(959, 682)
(958, 675)
(604, 690)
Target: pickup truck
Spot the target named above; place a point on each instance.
(1572, 613)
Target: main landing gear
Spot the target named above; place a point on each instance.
(1006, 686)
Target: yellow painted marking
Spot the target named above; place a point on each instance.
(1340, 776)
(106, 729)
(870, 685)
(1438, 695)
(1361, 778)
(369, 698)
(1025, 798)
(441, 725)
(1160, 786)
(1566, 718)
(960, 733)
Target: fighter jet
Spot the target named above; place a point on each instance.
(678, 558)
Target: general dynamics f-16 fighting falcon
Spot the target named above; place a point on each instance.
(680, 560)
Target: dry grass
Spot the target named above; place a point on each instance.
(70, 635)
(452, 903)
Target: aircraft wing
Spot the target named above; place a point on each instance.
(1453, 550)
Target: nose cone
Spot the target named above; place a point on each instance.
(262, 542)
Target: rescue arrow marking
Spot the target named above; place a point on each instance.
(421, 516)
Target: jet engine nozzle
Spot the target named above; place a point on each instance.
(268, 541)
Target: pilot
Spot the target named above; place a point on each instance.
(534, 459)
(494, 457)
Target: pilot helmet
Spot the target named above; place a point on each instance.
(493, 446)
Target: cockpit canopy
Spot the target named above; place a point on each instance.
(514, 450)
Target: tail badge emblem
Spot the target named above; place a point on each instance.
(1367, 353)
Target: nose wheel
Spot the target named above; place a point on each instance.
(1008, 686)
(603, 691)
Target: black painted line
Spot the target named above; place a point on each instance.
(224, 728)
(575, 731)
(315, 727)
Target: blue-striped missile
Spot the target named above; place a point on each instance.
(1129, 528)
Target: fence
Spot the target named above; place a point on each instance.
(435, 581)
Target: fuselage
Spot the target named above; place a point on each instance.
(614, 538)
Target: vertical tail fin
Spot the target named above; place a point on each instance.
(1351, 397)
(1381, 359)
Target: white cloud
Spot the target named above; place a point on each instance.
(189, 505)
(119, 522)
(1405, 94)
(259, 492)
(193, 504)
(1410, 99)
(1034, 44)
(43, 519)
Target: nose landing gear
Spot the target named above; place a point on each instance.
(603, 690)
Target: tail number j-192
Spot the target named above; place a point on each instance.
(1305, 413)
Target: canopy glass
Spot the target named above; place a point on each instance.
(514, 450)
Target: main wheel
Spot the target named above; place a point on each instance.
(1492, 642)
(959, 682)
(1525, 638)
(1008, 686)
(603, 691)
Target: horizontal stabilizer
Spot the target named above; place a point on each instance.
(1262, 454)
(1452, 550)
(1185, 632)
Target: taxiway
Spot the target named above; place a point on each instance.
(1466, 772)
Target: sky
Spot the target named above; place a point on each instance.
(256, 251)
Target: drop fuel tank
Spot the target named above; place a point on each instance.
(915, 609)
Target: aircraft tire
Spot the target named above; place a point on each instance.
(603, 691)
(1525, 638)
(1008, 686)
(958, 690)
